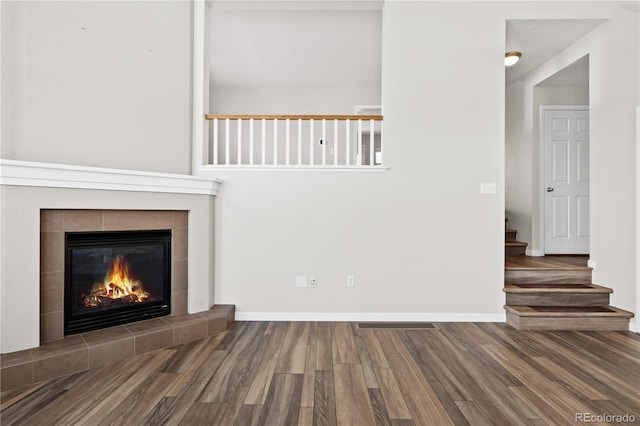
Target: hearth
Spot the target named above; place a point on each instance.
(114, 278)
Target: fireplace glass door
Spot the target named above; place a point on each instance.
(114, 278)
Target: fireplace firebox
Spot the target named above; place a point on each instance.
(114, 278)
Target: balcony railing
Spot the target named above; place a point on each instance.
(295, 141)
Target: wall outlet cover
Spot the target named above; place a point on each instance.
(301, 280)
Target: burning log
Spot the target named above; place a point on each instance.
(119, 287)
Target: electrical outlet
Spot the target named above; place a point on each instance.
(351, 280)
(313, 281)
(301, 280)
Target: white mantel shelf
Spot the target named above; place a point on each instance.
(28, 173)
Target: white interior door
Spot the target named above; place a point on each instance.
(566, 181)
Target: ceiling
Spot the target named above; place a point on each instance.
(540, 40)
(575, 75)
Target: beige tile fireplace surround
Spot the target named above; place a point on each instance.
(54, 224)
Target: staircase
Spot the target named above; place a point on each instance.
(512, 247)
(556, 293)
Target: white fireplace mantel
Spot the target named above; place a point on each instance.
(29, 173)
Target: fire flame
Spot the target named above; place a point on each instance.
(118, 285)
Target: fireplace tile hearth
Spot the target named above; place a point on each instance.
(93, 349)
(151, 335)
(187, 327)
(61, 357)
(108, 345)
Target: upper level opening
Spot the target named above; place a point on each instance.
(312, 65)
(293, 60)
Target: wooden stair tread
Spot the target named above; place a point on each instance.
(546, 263)
(547, 268)
(511, 231)
(568, 311)
(515, 244)
(556, 288)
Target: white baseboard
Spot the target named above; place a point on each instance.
(534, 253)
(633, 325)
(365, 316)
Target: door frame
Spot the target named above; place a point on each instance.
(541, 198)
(635, 321)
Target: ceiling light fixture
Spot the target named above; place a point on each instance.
(511, 58)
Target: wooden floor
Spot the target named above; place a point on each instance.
(282, 373)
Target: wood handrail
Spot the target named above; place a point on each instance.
(291, 117)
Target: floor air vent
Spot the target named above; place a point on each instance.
(396, 325)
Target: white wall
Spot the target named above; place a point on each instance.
(614, 94)
(97, 83)
(518, 155)
(6, 76)
(323, 45)
(419, 238)
(239, 100)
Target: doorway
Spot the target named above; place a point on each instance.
(564, 143)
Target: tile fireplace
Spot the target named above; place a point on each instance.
(82, 250)
(41, 203)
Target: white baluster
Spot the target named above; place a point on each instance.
(251, 141)
(287, 131)
(226, 142)
(335, 142)
(239, 147)
(348, 143)
(215, 141)
(359, 156)
(264, 140)
(311, 142)
(275, 141)
(381, 145)
(324, 142)
(299, 141)
(372, 142)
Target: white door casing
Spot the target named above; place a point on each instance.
(566, 181)
(635, 322)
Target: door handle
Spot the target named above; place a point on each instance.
(549, 189)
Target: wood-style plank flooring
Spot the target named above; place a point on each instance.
(294, 373)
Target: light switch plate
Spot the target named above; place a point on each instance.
(488, 188)
(301, 280)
